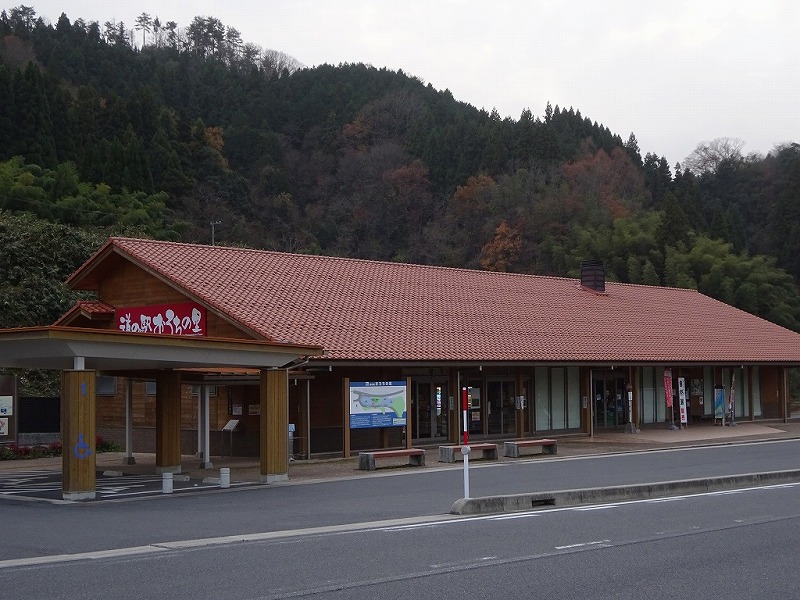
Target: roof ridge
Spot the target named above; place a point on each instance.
(338, 258)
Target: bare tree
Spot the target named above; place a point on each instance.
(276, 62)
(708, 156)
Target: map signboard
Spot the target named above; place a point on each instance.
(377, 404)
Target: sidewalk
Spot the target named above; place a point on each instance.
(246, 469)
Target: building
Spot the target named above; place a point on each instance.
(531, 354)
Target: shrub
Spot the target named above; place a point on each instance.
(15, 452)
(102, 445)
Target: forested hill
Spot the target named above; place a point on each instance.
(159, 130)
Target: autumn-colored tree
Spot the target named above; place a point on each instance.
(474, 197)
(605, 185)
(502, 251)
(469, 216)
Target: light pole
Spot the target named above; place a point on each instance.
(213, 225)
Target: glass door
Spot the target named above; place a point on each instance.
(610, 407)
(429, 409)
(501, 407)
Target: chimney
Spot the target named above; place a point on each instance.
(593, 275)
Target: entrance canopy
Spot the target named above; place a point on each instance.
(111, 351)
(79, 353)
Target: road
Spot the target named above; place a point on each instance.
(390, 537)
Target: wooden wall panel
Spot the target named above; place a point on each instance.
(771, 379)
(131, 286)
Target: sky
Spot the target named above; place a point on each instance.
(674, 73)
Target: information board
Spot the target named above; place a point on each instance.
(377, 404)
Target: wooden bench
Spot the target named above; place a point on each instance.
(451, 453)
(416, 457)
(512, 449)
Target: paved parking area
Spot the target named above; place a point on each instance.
(41, 479)
(41, 484)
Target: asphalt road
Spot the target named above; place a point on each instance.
(390, 536)
(739, 545)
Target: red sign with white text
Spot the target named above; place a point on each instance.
(668, 387)
(181, 318)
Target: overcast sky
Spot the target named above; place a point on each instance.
(675, 73)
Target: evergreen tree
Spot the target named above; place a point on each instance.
(34, 126)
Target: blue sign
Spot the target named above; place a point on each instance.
(719, 402)
(81, 449)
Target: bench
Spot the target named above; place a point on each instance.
(512, 449)
(366, 460)
(449, 454)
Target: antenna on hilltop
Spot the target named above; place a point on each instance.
(213, 225)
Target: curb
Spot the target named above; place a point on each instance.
(565, 498)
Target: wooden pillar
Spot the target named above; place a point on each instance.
(409, 421)
(637, 394)
(168, 422)
(520, 411)
(204, 427)
(128, 459)
(304, 430)
(453, 407)
(785, 393)
(587, 400)
(346, 417)
(274, 433)
(78, 434)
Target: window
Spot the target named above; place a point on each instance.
(106, 385)
(150, 388)
(212, 390)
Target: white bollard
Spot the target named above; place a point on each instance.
(166, 483)
(465, 452)
(224, 477)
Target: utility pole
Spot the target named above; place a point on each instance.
(213, 225)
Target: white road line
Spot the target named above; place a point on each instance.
(583, 545)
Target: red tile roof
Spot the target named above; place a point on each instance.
(381, 311)
(88, 309)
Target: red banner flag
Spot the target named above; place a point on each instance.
(668, 387)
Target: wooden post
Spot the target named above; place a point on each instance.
(637, 394)
(168, 422)
(128, 459)
(305, 421)
(274, 434)
(409, 420)
(346, 417)
(78, 434)
(784, 391)
(520, 412)
(588, 408)
(453, 406)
